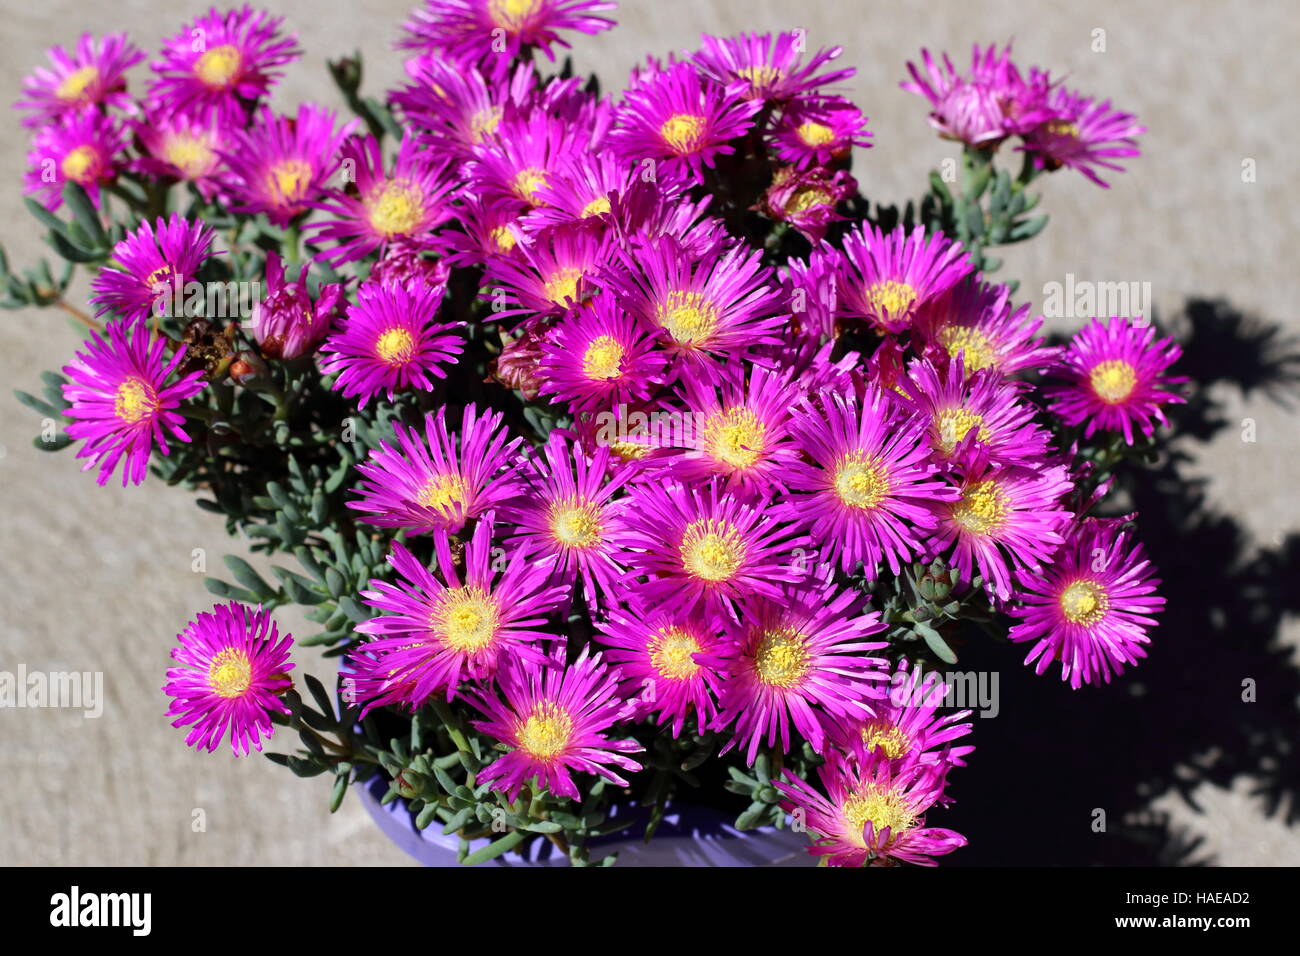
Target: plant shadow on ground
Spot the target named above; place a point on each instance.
(1053, 756)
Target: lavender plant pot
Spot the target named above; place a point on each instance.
(688, 836)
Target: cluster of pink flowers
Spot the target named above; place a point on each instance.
(727, 472)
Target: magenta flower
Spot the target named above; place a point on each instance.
(82, 148)
(1091, 609)
(521, 158)
(402, 207)
(440, 631)
(649, 212)
(885, 278)
(281, 164)
(819, 132)
(453, 107)
(184, 148)
(549, 273)
(800, 660)
(439, 486)
(1083, 134)
(870, 488)
(976, 321)
(121, 401)
(676, 116)
(287, 323)
(152, 262)
(705, 546)
(483, 29)
(567, 512)
(584, 187)
(671, 665)
(807, 200)
(872, 811)
(222, 62)
(1115, 381)
(93, 75)
(234, 669)
(555, 722)
(391, 341)
(771, 68)
(599, 357)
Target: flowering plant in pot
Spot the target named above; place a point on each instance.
(625, 455)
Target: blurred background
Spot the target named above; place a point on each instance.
(100, 579)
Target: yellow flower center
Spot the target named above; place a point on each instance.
(689, 317)
(1063, 128)
(890, 297)
(75, 84)
(230, 673)
(603, 359)
(861, 482)
(976, 350)
(671, 654)
(396, 209)
(759, 75)
(218, 66)
(528, 182)
(810, 197)
(816, 134)
(134, 401)
(81, 165)
(512, 14)
(982, 508)
(953, 424)
(598, 206)
(504, 238)
(782, 658)
(396, 346)
(682, 132)
(712, 550)
(1084, 602)
(734, 436)
(289, 180)
(466, 620)
(190, 154)
(485, 122)
(883, 733)
(575, 523)
(162, 275)
(562, 286)
(1113, 380)
(546, 732)
(885, 808)
(443, 492)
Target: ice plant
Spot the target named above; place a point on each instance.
(92, 75)
(886, 277)
(288, 322)
(81, 148)
(233, 669)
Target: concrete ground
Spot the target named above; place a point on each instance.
(100, 579)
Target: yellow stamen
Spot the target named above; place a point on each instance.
(712, 550)
(396, 346)
(885, 808)
(562, 286)
(734, 436)
(861, 482)
(443, 492)
(230, 673)
(815, 134)
(81, 165)
(682, 132)
(597, 207)
(289, 180)
(75, 84)
(1084, 602)
(603, 359)
(190, 154)
(782, 658)
(760, 75)
(546, 732)
(575, 523)
(218, 66)
(671, 654)
(975, 348)
(953, 424)
(890, 298)
(527, 182)
(883, 733)
(396, 209)
(134, 401)
(982, 508)
(485, 122)
(504, 238)
(1113, 380)
(1063, 128)
(466, 619)
(689, 317)
(512, 14)
(810, 197)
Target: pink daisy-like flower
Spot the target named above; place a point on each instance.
(1006, 518)
(222, 62)
(807, 200)
(819, 132)
(402, 207)
(705, 546)
(566, 512)
(490, 229)
(584, 185)
(1083, 134)
(676, 116)
(724, 304)
(987, 105)
(1115, 379)
(555, 720)
(981, 411)
(872, 811)
(483, 29)
(772, 67)
(907, 726)
(671, 664)
(801, 660)
(184, 148)
(453, 107)
(525, 153)
(599, 357)
(1092, 607)
(81, 148)
(280, 166)
(649, 211)
(870, 488)
(390, 341)
(423, 488)
(121, 401)
(92, 75)
(440, 631)
(885, 278)
(157, 256)
(548, 273)
(287, 323)
(975, 320)
(811, 290)
(234, 669)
